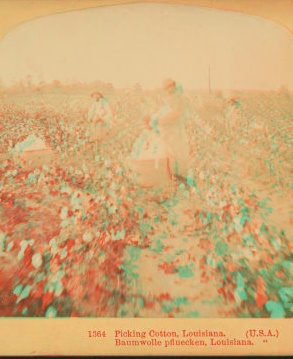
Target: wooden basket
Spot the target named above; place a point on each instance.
(37, 158)
(151, 173)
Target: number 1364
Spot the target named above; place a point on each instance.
(96, 334)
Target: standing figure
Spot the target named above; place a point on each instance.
(150, 156)
(232, 116)
(171, 125)
(162, 151)
(99, 118)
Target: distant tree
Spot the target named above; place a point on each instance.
(24, 84)
(18, 86)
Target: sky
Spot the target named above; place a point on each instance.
(146, 43)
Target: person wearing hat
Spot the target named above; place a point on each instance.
(171, 125)
(99, 118)
(150, 154)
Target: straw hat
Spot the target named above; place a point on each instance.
(234, 102)
(169, 85)
(97, 95)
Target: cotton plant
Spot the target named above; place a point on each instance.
(76, 200)
(87, 237)
(64, 213)
(65, 188)
(37, 260)
(24, 244)
(3, 239)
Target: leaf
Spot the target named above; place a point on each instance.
(145, 228)
(221, 248)
(286, 294)
(166, 308)
(240, 295)
(18, 290)
(185, 272)
(140, 210)
(276, 309)
(51, 312)
(25, 293)
(159, 247)
(192, 314)
(179, 301)
(58, 286)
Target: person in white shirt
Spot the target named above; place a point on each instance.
(99, 118)
(171, 125)
(162, 153)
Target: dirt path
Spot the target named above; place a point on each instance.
(171, 271)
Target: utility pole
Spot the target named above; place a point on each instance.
(210, 87)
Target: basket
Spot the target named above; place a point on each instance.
(151, 173)
(37, 158)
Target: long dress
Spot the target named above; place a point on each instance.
(99, 117)
(174, 135)
(150, 157)
(163, 151)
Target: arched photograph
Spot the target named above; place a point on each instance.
(146, 164)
